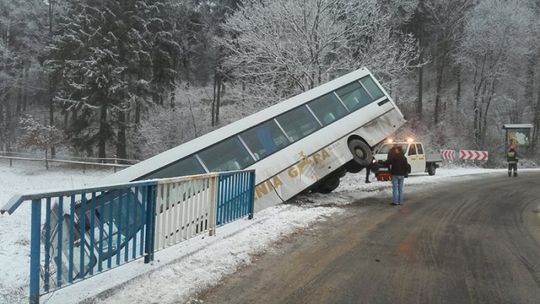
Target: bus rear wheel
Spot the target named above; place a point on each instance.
(353, 167)
(328, 184)
(361, 152)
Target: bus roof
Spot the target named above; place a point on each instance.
(186, 149)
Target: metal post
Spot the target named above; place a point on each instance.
(153, 200)
(150, 232)
(213, 205)
(252, 195)
(35, 251)
(46, 160)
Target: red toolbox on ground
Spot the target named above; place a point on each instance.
(384, 176)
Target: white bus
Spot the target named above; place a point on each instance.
(307, 142)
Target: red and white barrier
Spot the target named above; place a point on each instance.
(448, 154)
(473, 155)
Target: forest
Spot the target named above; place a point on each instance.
(132, 78)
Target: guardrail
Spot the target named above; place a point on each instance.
(87, 231)
(103, 160)
(234, 197)
(184, 210)
(112, 162)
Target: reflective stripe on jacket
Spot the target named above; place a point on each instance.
(512, 157)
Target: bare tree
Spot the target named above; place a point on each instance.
(446, 21)
(38, 136)
(283, 47)
(533, 75)
(496, 38)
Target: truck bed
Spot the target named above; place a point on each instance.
(433, 158)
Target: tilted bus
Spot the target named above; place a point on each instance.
(306, 142)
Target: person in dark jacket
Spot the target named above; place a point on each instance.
(392, 152)
(512, 158)
(399, 168)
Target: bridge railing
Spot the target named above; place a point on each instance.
(79, 233)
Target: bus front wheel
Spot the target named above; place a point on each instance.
(361, 152)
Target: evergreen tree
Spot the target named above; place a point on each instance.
(110, 57)
(21, 38)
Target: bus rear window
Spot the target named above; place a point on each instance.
(228, 155)
(298, 123)
(328, 108)
(372, 88)
(265, 139)
(354, 96)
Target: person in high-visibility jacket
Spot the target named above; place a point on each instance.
(512, 159)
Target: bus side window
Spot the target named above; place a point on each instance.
(265, 139)
(227, 155)
(328, 108)
(298, 123)
(354, 96)
(184, 167)
(372, 87)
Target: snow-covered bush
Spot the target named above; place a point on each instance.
(37, 136)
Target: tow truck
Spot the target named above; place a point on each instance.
(418, 159)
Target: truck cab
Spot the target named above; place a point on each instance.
(416, 155)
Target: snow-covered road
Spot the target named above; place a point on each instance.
(180, 271)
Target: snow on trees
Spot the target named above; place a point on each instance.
(110, 58)
(20, 43)
(38, 136)
(496, 39)
(283, 47)
(100, 70)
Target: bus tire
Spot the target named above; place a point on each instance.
(353, 167)
(361, 152)
(328, 184)
(432, 168)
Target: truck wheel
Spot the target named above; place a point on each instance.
(361, 152)
(431, 169)
(328, 185)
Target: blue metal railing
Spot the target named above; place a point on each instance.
(236, 191)
(87, 231)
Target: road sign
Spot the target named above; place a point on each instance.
(473, 155)
(448, 154)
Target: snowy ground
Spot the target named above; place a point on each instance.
(26, 177)
(178, 272)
